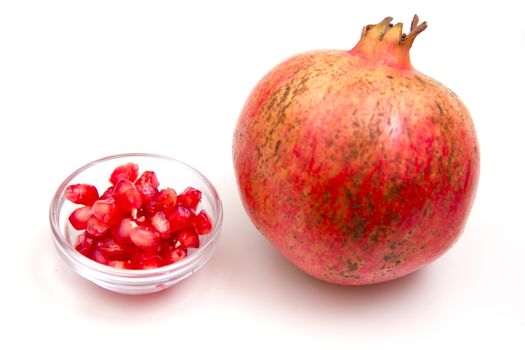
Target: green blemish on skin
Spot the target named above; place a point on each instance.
(420, 80)
(391, 256)
(397, 217)
(351, 266)
(359, 228)
(393, 192)
(277, 145)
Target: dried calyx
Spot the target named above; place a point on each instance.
(386, 29)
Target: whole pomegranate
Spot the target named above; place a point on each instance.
(357, 167)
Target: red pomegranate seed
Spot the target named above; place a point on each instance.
(100, 257)
(152, 205)
(120, 264)
(128, 171)
(108, 193)
(190, 198)
(127, 196)
(139, 255)
(173, 255)
(111, 249)
(167, 199)
(144, 237)
(147, 191)
(95, 227)
(105, 210)
(151, 263)
(148, 178)
(121, 232)
(161, 224)
(82, 194)
(202, 223)
(180, 218)
(84, 244)
(188, 239)
(79, 217)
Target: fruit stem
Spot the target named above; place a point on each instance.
(387, 43)
(415, 29)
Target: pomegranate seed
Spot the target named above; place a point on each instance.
(144, 238)
(139, 255)
(148, 178)
(180, 218)
(169, 243)
(95, 227)
(188, 239)
(105, 210)
(120, 264)
(152, 205)
(128, 171)
(82, 194)
(127, 196)
(111, 249)
(100, 257)
(173, 255)
(122, 232)
(108, 193)
(151, 263)
(84, 244)
(79, 217)
(147, 191)
(167, 199)
(190, 198)
(202, 223)
(161, 224)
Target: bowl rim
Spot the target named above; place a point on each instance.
(79, 261)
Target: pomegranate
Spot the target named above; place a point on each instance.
(355, 166)
(134, 225)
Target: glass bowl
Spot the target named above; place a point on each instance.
(171, 173)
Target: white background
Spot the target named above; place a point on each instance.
(84, 79)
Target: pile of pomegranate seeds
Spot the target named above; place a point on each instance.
(134, 224)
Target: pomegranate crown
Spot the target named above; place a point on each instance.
(395, 32)
(385, 42)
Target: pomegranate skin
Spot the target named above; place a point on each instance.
(355, 166)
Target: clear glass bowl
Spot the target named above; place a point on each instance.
(171, 173)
